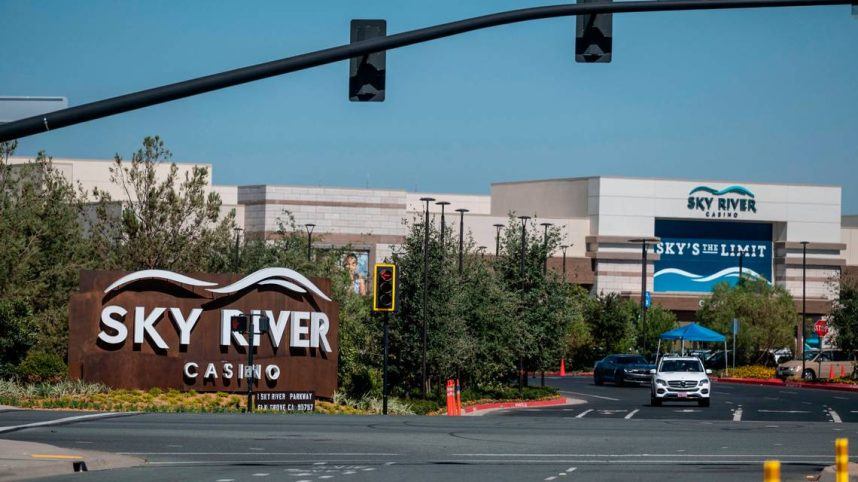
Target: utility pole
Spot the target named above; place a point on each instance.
(545, 227)
(443, 204)
(522, 376)
(309, 227)
(804, 307)
(644, 242)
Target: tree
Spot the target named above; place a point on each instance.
(658, 320)
(43, 248)
(169, 223)
(844, 316)
(766, 313)
(611, 320)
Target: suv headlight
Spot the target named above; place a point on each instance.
(704, 382)
(659, 381)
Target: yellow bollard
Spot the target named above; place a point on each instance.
(772, 471)
(841, 460)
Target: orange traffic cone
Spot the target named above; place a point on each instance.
(451, 397)
(831, 372)
(842, 371)
(562, 367)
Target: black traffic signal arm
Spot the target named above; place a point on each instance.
(158, 95)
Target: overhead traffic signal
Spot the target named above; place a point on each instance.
(384, 287)
(367, 72)
(594, 36)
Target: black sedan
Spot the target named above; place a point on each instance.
(621, 369)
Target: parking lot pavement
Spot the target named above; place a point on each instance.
(729, 402)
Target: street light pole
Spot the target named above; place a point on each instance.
(545, 227)
(804, 306)
(309, 227)
(498, 228)
(237, 260)
(427, 200)
(461, 212)
(741, 267)
(644, 242)
(443, 204)
(521, 375)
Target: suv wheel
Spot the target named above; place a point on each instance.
(655, 402)
(808, 375)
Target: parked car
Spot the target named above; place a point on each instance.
(680, 379)
(715, 361)
(621, 369)
(819, 365)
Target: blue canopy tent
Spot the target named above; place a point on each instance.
(693, 332)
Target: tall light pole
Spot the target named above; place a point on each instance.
(443, 204)
(309, 227)
(498, 228)
(804, 305)
(545, 227)
(461, 212)
(564, 247)
(237, 260)
(644, 242)
(424, 324)
(521, 375)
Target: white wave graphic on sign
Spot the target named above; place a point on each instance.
(157, 274)
(270, 276)
(283, 277)
(732, 272)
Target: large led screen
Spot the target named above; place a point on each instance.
(697, 255)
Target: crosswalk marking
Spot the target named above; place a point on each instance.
(632, 413)
(585, 412)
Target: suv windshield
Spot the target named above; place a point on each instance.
(680, 366)
(631, 360)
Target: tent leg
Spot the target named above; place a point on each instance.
(726, 367)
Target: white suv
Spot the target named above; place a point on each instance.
(681, 379)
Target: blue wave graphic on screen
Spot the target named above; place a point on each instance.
(674, 279)
(727, 190)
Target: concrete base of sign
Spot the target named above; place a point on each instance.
(27, 460)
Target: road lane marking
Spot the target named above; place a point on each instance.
(782, 411)
(551, 477)
(350, 454)
(737, 414)
(834, 416)
(60, 421)
(571, 469)
(632, 413)
(841, 398)
(594, 396)
(585, 412)
(643, 456)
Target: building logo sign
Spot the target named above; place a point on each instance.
(694, 256)
(157, 328)
(722, 204)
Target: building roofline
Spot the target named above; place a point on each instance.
(104, 161)
(642, 178)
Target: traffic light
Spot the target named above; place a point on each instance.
(367, 72)
(593, 36)
(384, 288)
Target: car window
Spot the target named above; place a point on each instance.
(839, 356)
(608, 359)
(824, 356)
(681, 366)
(810, 355)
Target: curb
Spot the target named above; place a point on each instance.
(501, 405)
(842, 387)
(568, 374)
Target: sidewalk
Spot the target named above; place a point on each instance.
(843, 387)
(483, 408)
(27, 460)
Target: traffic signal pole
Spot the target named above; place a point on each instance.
(180, 90)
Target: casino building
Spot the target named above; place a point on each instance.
(700, 230)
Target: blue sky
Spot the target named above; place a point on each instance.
(747, 95)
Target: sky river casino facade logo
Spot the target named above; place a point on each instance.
(724, 203)
(157, 328)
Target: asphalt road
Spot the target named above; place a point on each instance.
(670, 442)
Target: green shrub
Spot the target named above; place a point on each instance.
(40, 367)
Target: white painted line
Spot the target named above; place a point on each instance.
(632, 413)
(261, 474)
(834, 416)
(350, 454)
(841, 398)
(585, 412)
(571, 469)
(783, 411)
(60, 421)
(551, 478)
(645, 456)
(737, 415)
(225, 480)
(594, 396)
